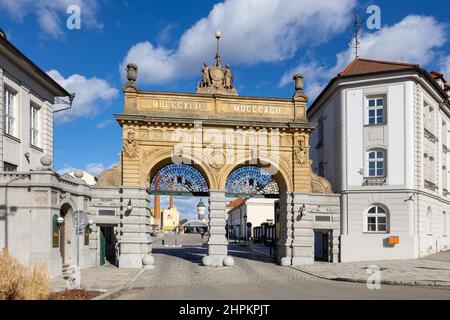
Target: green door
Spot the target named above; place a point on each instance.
(102, 246)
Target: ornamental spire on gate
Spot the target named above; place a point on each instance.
(216, 79)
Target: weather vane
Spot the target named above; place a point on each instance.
(356, 29)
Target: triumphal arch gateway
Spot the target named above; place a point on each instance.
(219, 144)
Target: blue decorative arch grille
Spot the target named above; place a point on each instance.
(251, 181)
(179, 179)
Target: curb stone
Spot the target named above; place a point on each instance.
(128, 285)
(419, 283)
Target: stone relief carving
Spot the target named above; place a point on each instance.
(111, 177)
(216, 79)
(286, 140)
(143, 133)
(301, 151)
(41, 197)
(130, 147)
(320, 184)
(149, 152)
(217, 159)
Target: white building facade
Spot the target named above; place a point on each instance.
(382, 142)
(33, 198)
(27, 96)
(251, 213)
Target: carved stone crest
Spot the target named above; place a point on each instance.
(301, 151)
(130, 147)
(217, 159)
(216, 79)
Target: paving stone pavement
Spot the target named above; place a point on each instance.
(184, 239)
(104, 278)
(421, 272)
(176, 267)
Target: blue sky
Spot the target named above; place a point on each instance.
(265, 41)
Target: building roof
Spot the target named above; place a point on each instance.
(365, 67)
(437, 75)
(195, 223)
(24, 63)
(236, 203)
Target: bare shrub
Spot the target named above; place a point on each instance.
(35, 283)
(11, 272)
(20, 282)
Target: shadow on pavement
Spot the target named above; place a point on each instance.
(196, 254)
(192, 254)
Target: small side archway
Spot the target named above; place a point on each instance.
(66, 243)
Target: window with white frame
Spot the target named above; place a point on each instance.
(429, 221)
(428, 117)
(34, 125)
(376, 111)
(376, 163)
(9, 107)
(377, 219)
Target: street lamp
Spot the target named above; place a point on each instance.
(129, 206)
(60, 220)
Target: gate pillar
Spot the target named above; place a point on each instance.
(217, 242)
(135, 243)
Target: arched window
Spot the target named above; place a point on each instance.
(429, 221)
(376, 163)
(55, 232)
(377, 219)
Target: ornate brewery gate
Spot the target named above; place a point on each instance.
(217, 132)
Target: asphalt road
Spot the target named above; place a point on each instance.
(178, 275)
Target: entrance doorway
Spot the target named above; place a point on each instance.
(107, 245)
(66, 235)
(322, 240)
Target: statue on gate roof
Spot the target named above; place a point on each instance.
(216, 79)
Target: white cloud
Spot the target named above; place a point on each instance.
(105, 123)
(93, 168)
(51, 14)
(415, 39)
(90, 95)
(254, 31)
(445, 67)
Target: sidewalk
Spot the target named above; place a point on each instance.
(420, 272)
(104, 279)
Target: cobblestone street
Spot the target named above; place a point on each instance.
(178, 274)
(182, 267)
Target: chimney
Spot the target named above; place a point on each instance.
(171, 202)
(157, 211)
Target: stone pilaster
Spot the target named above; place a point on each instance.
(284, 220)
(217, 242)
(135, 240)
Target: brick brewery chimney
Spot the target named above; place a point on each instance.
(171, 202)
(157, 210)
